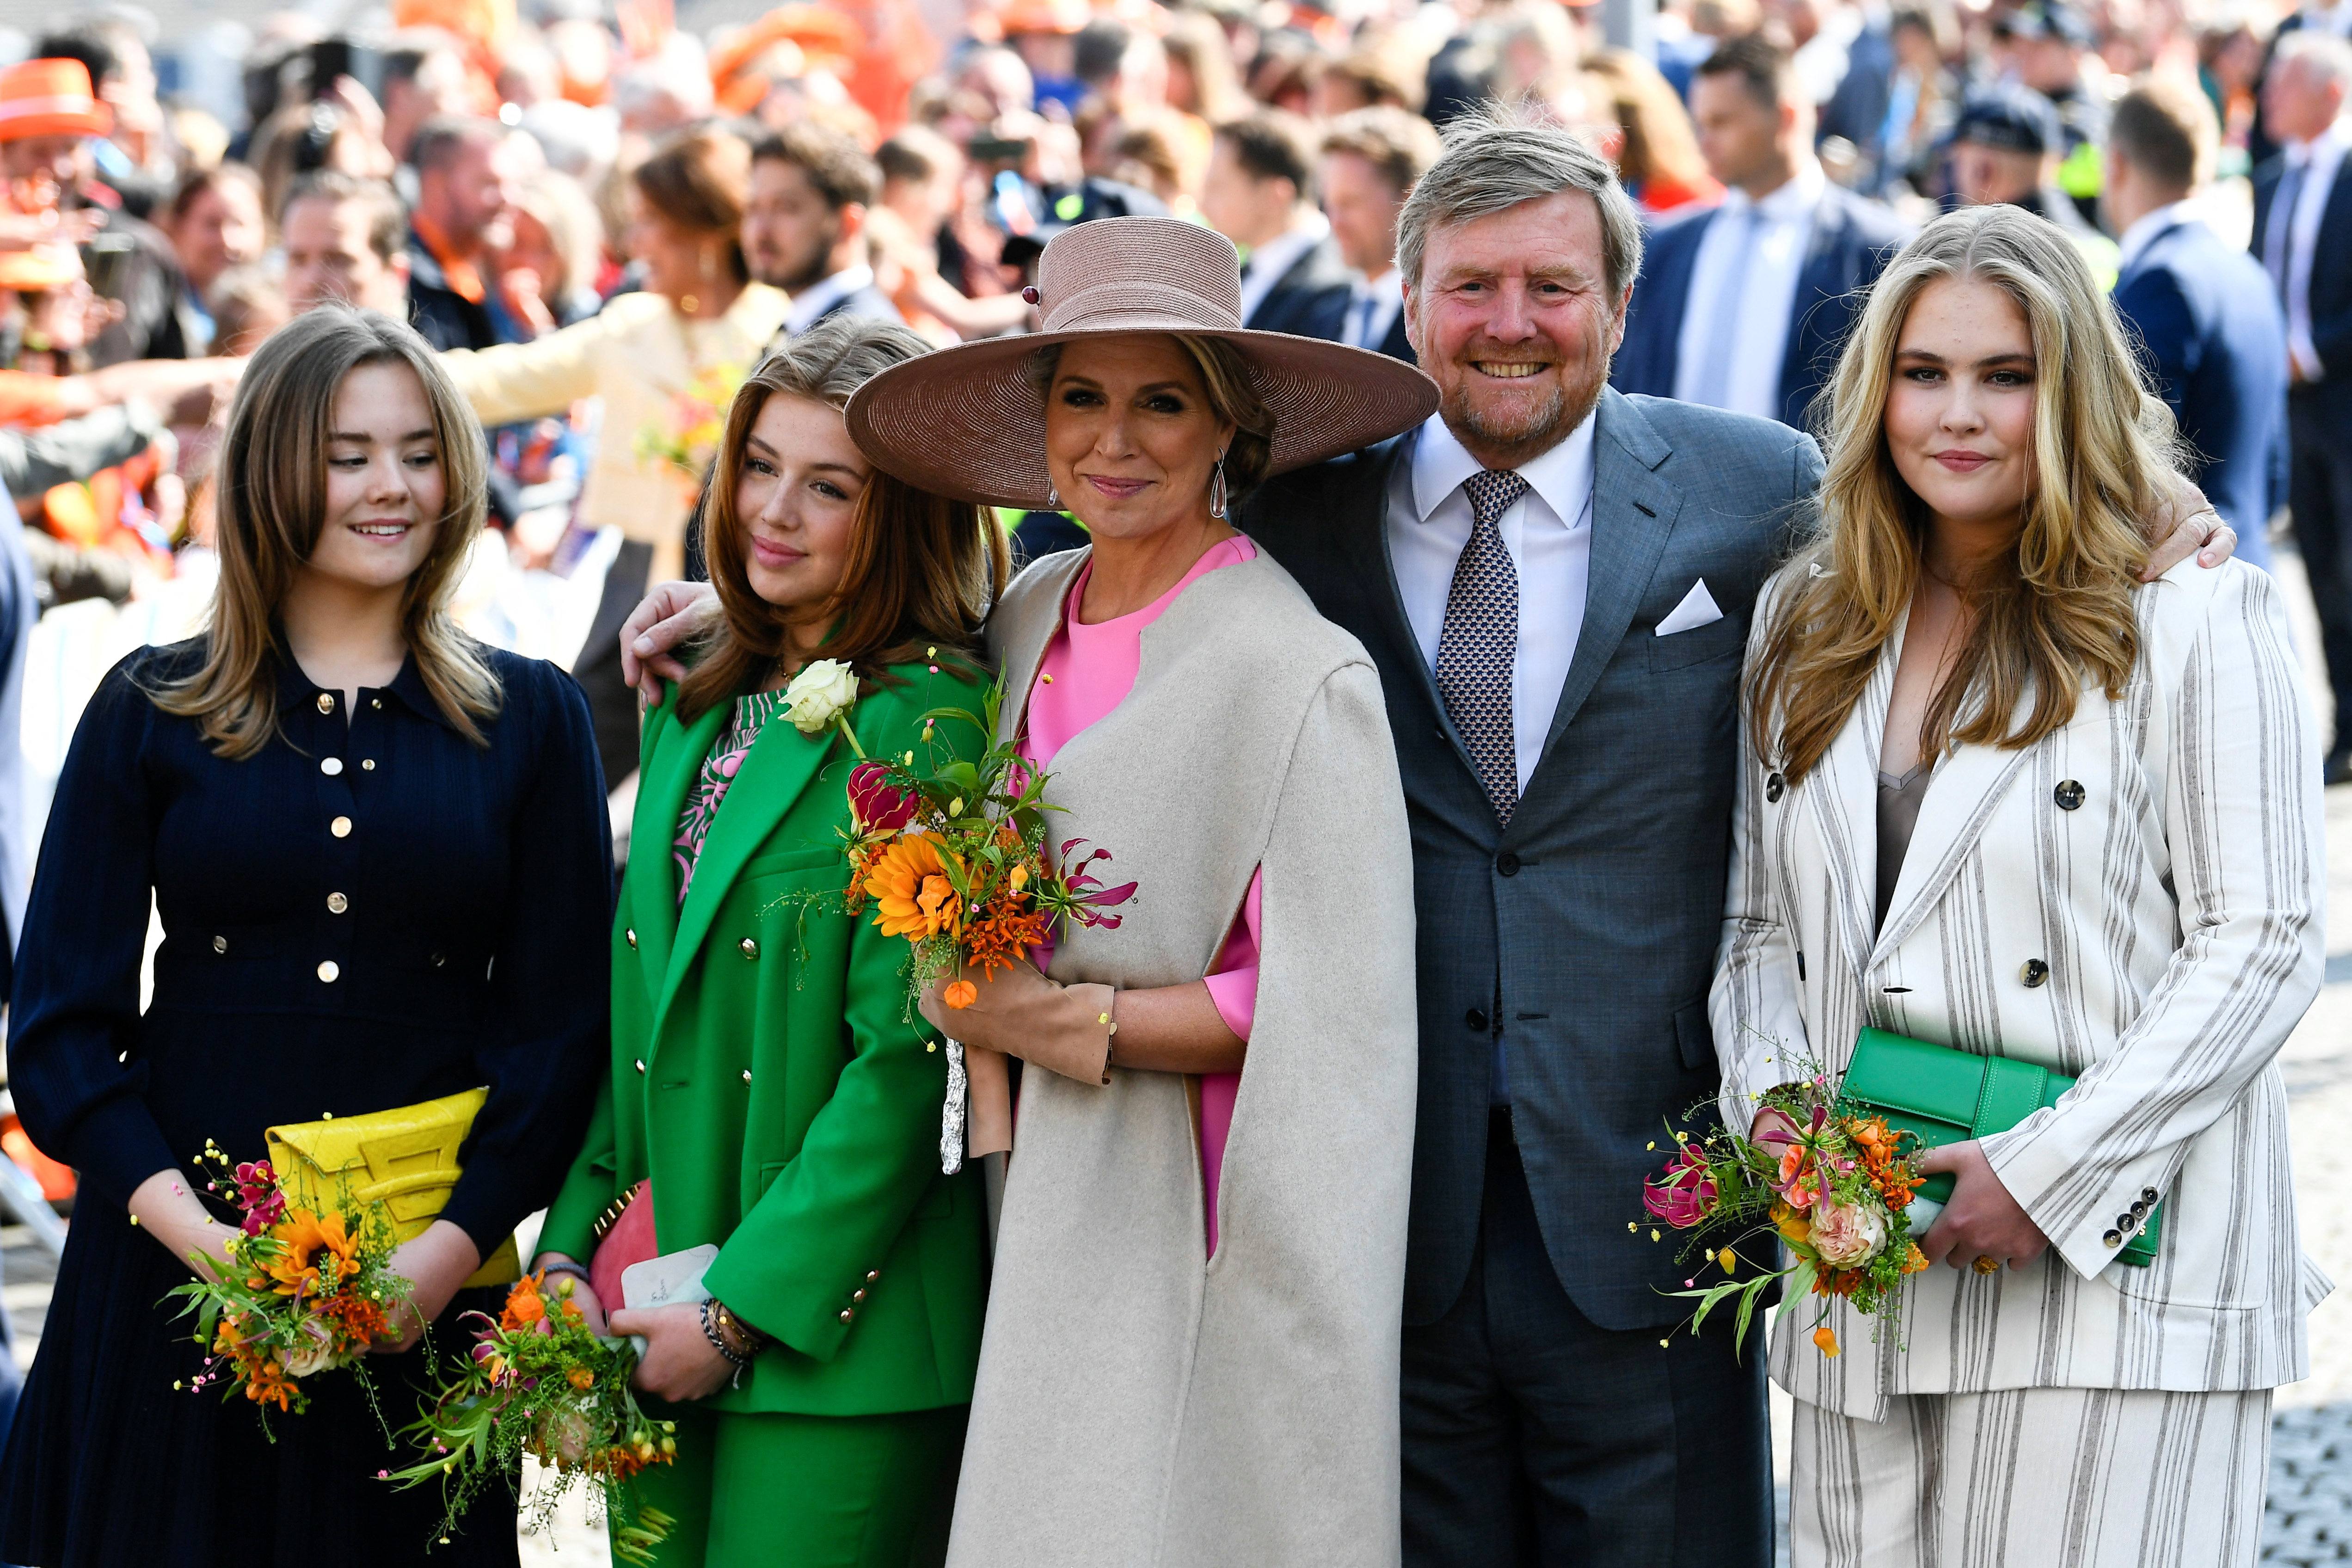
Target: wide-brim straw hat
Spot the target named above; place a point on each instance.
(969, 422)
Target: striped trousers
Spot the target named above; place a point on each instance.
(2033, 1478)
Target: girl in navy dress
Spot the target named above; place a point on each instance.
(380, 856)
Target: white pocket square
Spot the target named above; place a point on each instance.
(1697, 609)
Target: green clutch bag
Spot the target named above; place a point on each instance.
(1946, 1096)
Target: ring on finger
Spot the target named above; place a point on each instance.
(1985, 1264)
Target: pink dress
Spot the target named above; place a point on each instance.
(1088, 670)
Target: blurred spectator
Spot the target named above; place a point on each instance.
(50, 123)
(246, 304)
(1157, 155)
(1654, 149)
(423, 78)
(135, 159)
(549, 270)
(1746, 307)
(2230, 67)
(467, 174)
(1371, 160)
(2005, 149)
(215, 222)
(1260, 193)
(346, 239)
(313, 136)
(1536, 53)
(922, 180)
(1288, 74)
(1385, 71)
(1202, 81)
(1923, 98)
(1043, 32)
(2046, 45)
(665, 359)
(2208, 327)
(803, 226)
(2303, 232)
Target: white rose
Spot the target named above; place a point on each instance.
(820, 694)
(1846, 1235)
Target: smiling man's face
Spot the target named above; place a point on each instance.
(1513, 318)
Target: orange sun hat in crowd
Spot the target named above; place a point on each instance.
(50, 98)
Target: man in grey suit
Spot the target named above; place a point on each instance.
(1556, 581)
(1557, 601)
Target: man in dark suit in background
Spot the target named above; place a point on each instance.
(2303, 236)
(1260, 193)
(804, 226)
(1747, 305)
(1372, 159)
(2207, 324)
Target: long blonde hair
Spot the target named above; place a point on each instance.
(270, 501)
(2062, 614)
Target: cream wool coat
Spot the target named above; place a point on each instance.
(1138, 1404)
(638, 355)
(2178, 907)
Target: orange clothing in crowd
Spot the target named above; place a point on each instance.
(29, 399)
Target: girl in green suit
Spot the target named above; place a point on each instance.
(768, 1074)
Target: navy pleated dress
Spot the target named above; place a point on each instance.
(371, 913)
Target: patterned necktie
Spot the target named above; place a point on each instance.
(1477, 648)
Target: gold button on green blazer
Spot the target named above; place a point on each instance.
(788, 1103)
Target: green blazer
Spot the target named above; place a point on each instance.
(771, 1078)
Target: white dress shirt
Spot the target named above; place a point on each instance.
(1277, 255)
(820, 297)
(1766, 280)
(2319, 159)
(2143, 232)
(1549, 533)
(1373, 310)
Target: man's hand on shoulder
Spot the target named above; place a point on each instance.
(2185, 525)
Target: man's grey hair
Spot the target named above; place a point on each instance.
(1499, 155)
(2327, 56)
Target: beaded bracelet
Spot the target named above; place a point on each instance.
(719, 1342)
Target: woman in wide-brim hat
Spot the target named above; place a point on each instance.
(1193, 1336)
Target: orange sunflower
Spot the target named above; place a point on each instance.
(314, 1256)
(908, 879)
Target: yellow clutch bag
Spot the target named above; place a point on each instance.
(405, 1157)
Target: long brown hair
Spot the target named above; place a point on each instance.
(270, 501)
(922, 571)
(701, 181)
(2062, 613)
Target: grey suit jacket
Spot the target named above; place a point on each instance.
(1586, 932)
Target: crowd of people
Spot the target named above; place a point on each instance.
(1570, 576)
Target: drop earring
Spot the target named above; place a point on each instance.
(1052, 497)
(1217, 490)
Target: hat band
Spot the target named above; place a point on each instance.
(26, 108)
(1108, 306)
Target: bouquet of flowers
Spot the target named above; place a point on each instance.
(697, 419)
(304, 1290)
(537, 1382)
(956, 858)
(1833, 1185)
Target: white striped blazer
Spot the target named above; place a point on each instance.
(2136, 901)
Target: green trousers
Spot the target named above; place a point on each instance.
(806, 1491)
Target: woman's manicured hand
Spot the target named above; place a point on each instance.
(435, 1264)
(583, 1294)
(1983, 1220)
(680, 1363)
(672, 613)
(168, 1209)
